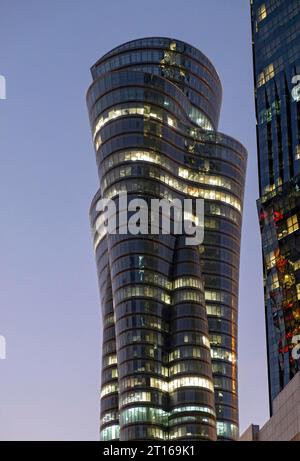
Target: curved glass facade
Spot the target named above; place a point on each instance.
(169, 355)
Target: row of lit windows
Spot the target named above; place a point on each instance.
(135, 396)
(267, 74)
(292, 225)
(261, 13)
(147, 187)
(153, 157)
(209, 144)
(183, 295)
(202, 178)
(189, 431)
(110, 433)
(190, 381)
(156, 415)
(145, 381)
(149, 112)
(153, 415)
(165, 386)
(142, 366)
(188, 282)
(219, 296)
(190, 352)
(186, 367)
(192, 419)
(100, 228)
(147, 276)
(143, 322)
(223, 354)
(109, 389)
(158, 279)
(143, 291)
(217, 311)
(192, 408)
(110, 373)
(116, 113)
(172, 181)
(227, 430)
(144, 414)
(110, 360)
(224, 429)
(138, 336)
(109, 416)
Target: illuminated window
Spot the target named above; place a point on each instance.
(270, 260)
(110, 433)
(190, 381)
(134, 291)
(292, 224)
(297, 152)
(189, 431)
(296, 265)
(216, 340)
(144, 414)
(274, 282)
(114, 373)
(185, 295)
(136, 397)
(109, 389)
(159, 384)
(223, 354)
(109, 416)
(261, 13)
(172, 181)
(218, 296)
(261, 79)
(174, 355)
(298, 290)
(269, 72)
(193, 408)
(110, 319)
(227, 430)
(188, 282)
(266, 75)
(203, 178)
(170, 121)
(215, 310)
(111, 359)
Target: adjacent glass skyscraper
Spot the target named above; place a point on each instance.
(169, 354)
(276, 52)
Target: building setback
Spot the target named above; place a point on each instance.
(169, 353)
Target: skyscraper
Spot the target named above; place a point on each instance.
(276, 53)
(169, 354)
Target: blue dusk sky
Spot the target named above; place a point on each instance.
(49, 303)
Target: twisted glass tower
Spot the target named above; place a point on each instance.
(276, 52)
(169, 354)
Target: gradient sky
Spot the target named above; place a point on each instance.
(49, 305)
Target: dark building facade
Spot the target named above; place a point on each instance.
(276, 53)
(169, 354)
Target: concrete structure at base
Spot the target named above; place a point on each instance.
(284, 425)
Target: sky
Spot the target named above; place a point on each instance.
(49, 301)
